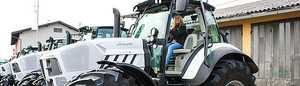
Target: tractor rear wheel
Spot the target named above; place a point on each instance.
(230, 73)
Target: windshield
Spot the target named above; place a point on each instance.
(149, 21)
(107, 32)
(104, 32)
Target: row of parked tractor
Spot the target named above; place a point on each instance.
(25, 68)
(172, 42)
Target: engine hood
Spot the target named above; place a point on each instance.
(84, 55)
(106, 46)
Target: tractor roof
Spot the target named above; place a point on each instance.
(149, 4)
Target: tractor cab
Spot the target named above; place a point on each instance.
(189, 57)
(157, 24)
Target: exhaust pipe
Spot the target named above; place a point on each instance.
(116, 28)
(68, 37)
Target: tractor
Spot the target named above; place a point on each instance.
(27, 69)
(206, 58)
(6, 77)
(24, 69)
(61, 73)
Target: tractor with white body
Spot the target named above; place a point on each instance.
(206, 58)
(6, 77)
(51, 67)
(25, 69)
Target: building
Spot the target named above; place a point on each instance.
(28, 37)
(268, 31)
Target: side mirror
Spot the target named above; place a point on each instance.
(154, 32)
(153, 36)
(94, 34)
(181, 5)
(226, 34)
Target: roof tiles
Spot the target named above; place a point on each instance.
(256, 7)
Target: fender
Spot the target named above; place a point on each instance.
(226, 51)
(230, 53)
(136, 72)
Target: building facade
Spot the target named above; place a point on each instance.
(28, 37)
(268, 31)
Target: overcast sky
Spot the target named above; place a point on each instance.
(19, 14)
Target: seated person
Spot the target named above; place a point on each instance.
(176, 38)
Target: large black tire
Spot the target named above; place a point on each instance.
(29, 79)
(8, 80)
(103, 77)
(114, 74)
(229, 71)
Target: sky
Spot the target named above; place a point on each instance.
(20, 14)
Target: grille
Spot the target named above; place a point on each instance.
(120, 59)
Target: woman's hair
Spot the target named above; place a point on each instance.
(177, 21)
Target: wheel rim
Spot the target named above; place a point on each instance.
(235, 83)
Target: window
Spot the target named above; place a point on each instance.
(212, 26)
(16, 67)
(57, 30)
(107, 32)
(104, 32)
(53, 67)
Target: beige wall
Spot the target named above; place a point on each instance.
(29, 37)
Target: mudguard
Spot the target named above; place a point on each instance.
(138, 73)
(225, 52)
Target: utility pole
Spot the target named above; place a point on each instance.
(36, 26)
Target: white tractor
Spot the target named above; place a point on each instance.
(61, 73)
(23, 66)
(25, 69)
(6, 77)
(205, 59)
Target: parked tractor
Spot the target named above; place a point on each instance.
(58, 74)
(205, 58)
(27, 68)
(6, 77)
(24, 69)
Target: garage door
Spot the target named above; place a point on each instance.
(276, 50)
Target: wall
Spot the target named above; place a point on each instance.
(276, 51)
(234, 35)
(273, 43)
(29, 37)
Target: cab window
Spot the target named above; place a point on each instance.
(212, 26)
(16, 67)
